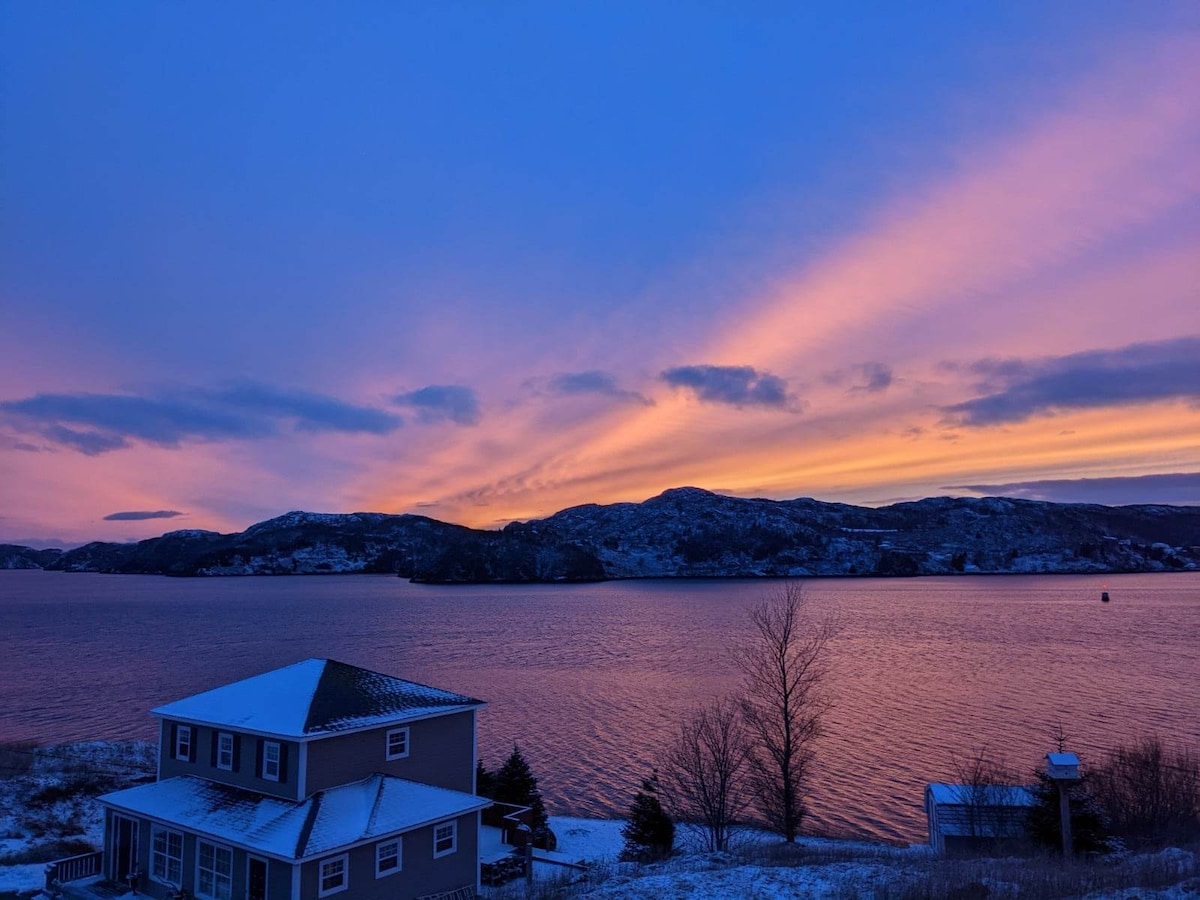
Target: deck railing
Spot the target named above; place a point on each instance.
(73, 868)
(462, 893)
(509, 818)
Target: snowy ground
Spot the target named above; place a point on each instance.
(693, 874)
(759, 867)
(22, 879)
(47, 806)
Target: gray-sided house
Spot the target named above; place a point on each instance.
(316, 780)
(966, 818)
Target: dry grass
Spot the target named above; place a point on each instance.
(910, 876)
(16, 758)
(1041, 877)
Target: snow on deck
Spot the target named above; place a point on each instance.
(377, 806)
(315, 697)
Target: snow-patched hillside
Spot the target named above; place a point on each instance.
(686, 532)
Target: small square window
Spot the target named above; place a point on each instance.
(270, 762)
(387, 858)
(183, 742)
(334, 877)
(225, 751)
(445, 839)
(397, 743)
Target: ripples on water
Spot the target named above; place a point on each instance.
(591, 679)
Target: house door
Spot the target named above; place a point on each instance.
(256, 879)
(124, 849)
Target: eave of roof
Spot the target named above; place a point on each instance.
(305, 738)
(333, 820)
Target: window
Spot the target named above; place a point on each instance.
(334, 877)
(387, 858)
(183, 742)
(445, 839)
(270, 767)
(397, 743)
(214, 871)
(225, 751)
(166, 856)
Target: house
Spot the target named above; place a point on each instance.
(965, 818)
(313, 780)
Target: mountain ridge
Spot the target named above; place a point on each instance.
(682, 532)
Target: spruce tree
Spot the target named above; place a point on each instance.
(650, 833)
(485, 781)
(1089, 833)
(514, 783)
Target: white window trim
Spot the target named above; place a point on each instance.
(183, 738)
(217, 848)
(453, 826)
(267, 776)
(266, 874)
(155, 831)
(345, 861)
(399, 857)
(387, 743)
(221, 736)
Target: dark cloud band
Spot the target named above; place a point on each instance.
(595, 382)
(142, 515)
(1017, 390)
(441, 403)
(99, 423)
(1177, 489)
(732, 385)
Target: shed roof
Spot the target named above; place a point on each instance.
(375, 807)
(988, 795)
(315, 697)
(986, 811)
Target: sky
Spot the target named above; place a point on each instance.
(485, 261)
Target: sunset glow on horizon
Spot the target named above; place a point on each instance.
(484, 265)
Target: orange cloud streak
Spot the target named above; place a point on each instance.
(1043, 210)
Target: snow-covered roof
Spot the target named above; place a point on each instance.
(375, 807)
(315, 697)
(983, 795)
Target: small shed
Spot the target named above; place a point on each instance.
(966, 818)
(1062, 766)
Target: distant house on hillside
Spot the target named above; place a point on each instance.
(314, 780)
(966, 818)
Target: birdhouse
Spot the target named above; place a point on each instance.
(1062, 766)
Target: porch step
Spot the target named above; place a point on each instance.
(96, 888)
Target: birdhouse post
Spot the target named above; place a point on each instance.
(1063, 770)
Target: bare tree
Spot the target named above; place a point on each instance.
(784, 701)
(701, 778)
(1150, 792)
(987, 794)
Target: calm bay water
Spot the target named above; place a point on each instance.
(591, 679)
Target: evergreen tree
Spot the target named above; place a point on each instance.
(650, 833)
(514, 783)
(1089, 833)
(485, 781)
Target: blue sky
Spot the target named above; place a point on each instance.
(489, 260)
